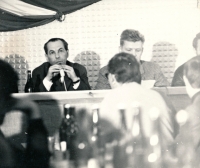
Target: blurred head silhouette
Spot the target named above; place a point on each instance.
(123, 68)
(8, 84)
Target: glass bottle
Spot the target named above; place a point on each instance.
(139, 140)
(185, 148)
(155, 156)
(119, 153)
(83, 143)
(97, 140)
(68, 132)
(29, 84)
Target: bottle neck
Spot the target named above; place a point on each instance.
(29, 76)
(123, 120)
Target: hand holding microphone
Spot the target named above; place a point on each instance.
(70, 73)
(56, 69)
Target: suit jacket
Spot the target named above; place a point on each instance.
(178, 77)
(149, 71)
(40, 73)
(188, 140)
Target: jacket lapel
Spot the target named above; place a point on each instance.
(68, 81)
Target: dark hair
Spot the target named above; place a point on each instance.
(195, 40)
(8, 79)
(131, 35)
(53, 40)
(192, 71)
(125, 67)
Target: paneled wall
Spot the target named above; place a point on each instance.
(98, 27)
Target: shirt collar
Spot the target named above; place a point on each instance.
(195, 95)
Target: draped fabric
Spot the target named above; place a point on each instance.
(22, 14)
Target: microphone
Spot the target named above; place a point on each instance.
(62, 74)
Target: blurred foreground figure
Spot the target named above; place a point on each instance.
(36, 153)
(188, 139)
(124, 77)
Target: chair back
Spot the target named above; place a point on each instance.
(165, 54)
(91, 61)
(20, 65)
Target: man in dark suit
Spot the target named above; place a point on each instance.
(59, 74)
(178, 74)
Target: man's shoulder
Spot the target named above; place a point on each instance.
(149, 64)
(104, 69)
(41, 67)
(151, 67)
(77, 66)
(134, 92)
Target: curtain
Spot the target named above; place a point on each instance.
(22, 14)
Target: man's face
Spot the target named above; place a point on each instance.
(134, 48)
(57, 54)
(198, 47)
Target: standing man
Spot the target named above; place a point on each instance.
(178, 74)
(192, 82)
(59, 74)
(131, 41)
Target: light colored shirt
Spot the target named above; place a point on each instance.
(149, 100)
(148, 70)
(47, 84)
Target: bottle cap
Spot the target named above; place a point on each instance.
(67, 105)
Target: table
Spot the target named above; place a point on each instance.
(51, 106)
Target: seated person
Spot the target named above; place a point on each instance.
(192, 82)
(36, 153)
(125, 78)
(47, 76)
(131, 42)
(178, 74)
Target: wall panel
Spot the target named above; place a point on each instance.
(98, 27)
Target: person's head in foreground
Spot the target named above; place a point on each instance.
(131, 41)
(192, 76)
(12, 156)
(9, 81)
(123, 68)
(196, 44)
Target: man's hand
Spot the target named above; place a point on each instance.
(70, 72)
(53, 70)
